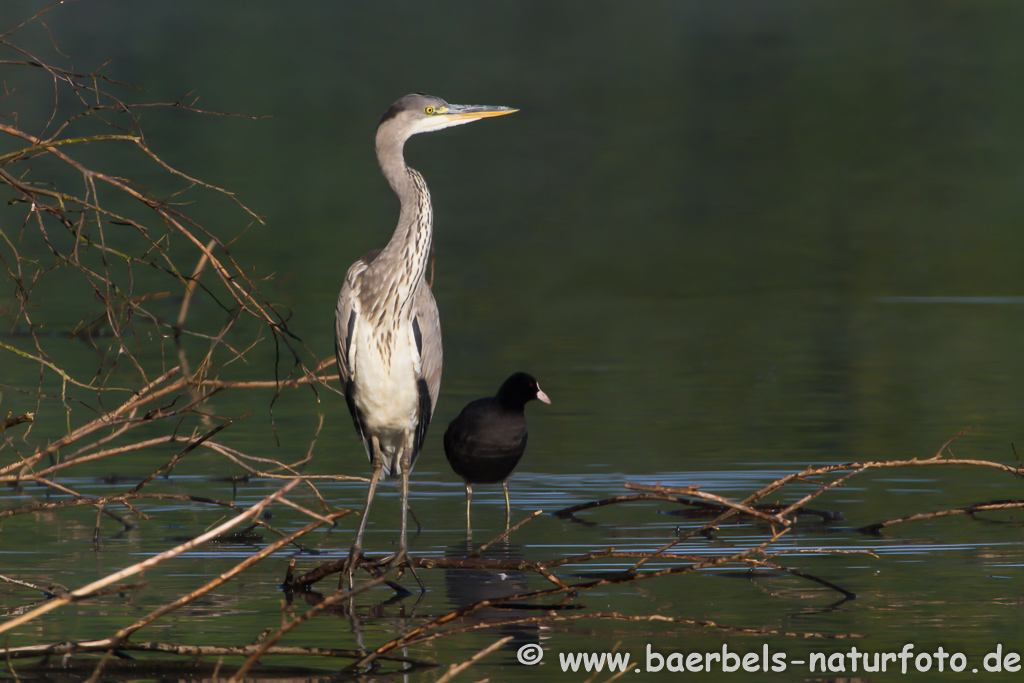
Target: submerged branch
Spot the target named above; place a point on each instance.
(969, 510)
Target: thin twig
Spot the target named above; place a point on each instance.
(711, 497)
(479, 551)
(455, 669)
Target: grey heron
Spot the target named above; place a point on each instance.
(387, 329)
(487, 439)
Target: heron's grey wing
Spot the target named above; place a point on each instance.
(344, 322)
(346, 314)
(427, 332)
(431, 355)
(344, 327)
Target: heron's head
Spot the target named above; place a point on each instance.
(419, 113)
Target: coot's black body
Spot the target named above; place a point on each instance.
(488, 438)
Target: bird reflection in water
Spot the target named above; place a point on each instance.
(470, 586)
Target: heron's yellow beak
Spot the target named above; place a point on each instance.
(471, 112)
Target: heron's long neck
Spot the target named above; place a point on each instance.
(403, 261)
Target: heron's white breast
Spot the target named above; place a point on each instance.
(384, 373)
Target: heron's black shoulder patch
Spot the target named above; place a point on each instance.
(348, 334)
(424, 417)
(417, 335)
(357, 415)
(369, 256)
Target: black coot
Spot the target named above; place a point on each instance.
(485, 442)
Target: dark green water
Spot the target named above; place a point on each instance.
(729, 239)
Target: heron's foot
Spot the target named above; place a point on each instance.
(401, 560)
(354, 561)
(355, 558)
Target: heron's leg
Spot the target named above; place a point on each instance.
(403, 545)
(357, 547)
(508, 508)
(469, 497)
(403, 541)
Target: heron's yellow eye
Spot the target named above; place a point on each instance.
(429, 110)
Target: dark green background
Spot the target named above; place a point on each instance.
(721, 234)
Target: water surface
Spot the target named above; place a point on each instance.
(730, 240)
